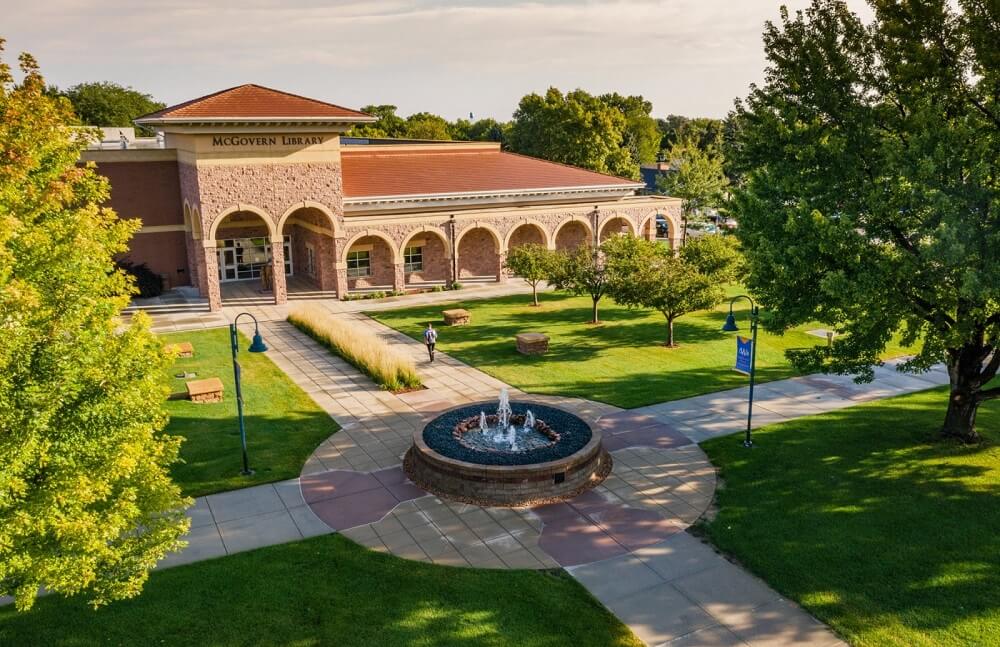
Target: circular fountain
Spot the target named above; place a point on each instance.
(525, 453)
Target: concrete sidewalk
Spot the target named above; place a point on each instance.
(677, 591)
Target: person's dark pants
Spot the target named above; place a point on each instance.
(430, 350)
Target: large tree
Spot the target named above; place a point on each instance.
(870, 165)
(574, 128)
(424, 125)
(110, 104)
(641, 138)
(86, 504)
(387, 124)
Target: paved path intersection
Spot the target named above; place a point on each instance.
(624, 540)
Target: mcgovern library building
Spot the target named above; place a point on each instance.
(253, 183)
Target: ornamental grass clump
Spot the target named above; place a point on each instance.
(389, 368)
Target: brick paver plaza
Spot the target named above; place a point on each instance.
(624, 540)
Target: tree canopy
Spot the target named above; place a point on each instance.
(109, 104)
(697, 179)
(86, 504)
(646, 274)
(870, 166)
(533, 263)
(581, 271)
(387, 124)
(573, 128)
(719, 257)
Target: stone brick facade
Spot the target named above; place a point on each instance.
(302, 197)
(478, 254)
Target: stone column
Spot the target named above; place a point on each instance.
(278, 271)
(399, 277)
(327, 264)
(339, 267)
(209, 276)
(501, 271)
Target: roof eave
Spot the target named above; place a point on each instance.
(504, 193)
(208, 121)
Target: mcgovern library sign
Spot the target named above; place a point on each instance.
(267, 140)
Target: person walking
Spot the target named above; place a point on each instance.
(430, 338)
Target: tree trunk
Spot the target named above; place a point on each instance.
(964, 371)
(594, 318)
(534, 293)
(670, 332)
(960, 419)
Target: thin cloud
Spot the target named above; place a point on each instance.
(686, 56)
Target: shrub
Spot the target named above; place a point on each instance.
(456, 285)
(389, 368)
(438, 288)
(148, 282)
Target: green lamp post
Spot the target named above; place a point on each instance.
(730, 326)
(256, 346)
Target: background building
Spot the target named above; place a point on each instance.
(254, 183)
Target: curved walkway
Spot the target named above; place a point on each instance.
(625, 540)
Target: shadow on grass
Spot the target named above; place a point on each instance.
(329, 591)
(870, 520)
(278, 447)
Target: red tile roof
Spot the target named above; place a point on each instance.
(371, 173)
(253, 102)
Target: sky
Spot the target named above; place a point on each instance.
(689, 57)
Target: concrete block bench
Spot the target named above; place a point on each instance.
(457, 317)
(208, 390)
(182, 349)
(532, 343)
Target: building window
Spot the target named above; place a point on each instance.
(310, 260)
(413, 259)
(359, 264)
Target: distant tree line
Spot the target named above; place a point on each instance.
(608, 133)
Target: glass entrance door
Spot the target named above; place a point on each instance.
(245, 258)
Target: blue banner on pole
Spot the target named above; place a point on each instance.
(744, 349)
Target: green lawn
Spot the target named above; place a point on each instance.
(866, 519)
(622, 362)
(283, 424)
(330, 591)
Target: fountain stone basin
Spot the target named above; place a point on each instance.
(567, 459)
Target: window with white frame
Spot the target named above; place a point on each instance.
(413, 259)
(359, 263)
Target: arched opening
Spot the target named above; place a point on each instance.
(615, 226)
(370, 264)
(426, 261)
(660, 228)
(478, 255)
(309, 232)
(243, 246)
(571, 235)
(525, 234)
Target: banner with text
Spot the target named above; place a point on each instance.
(744, 351)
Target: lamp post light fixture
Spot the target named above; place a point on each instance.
(256, 346)
(730, 326)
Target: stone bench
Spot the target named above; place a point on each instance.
(208, 390)
(532, 343)
(457, 317)
(182, 349)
